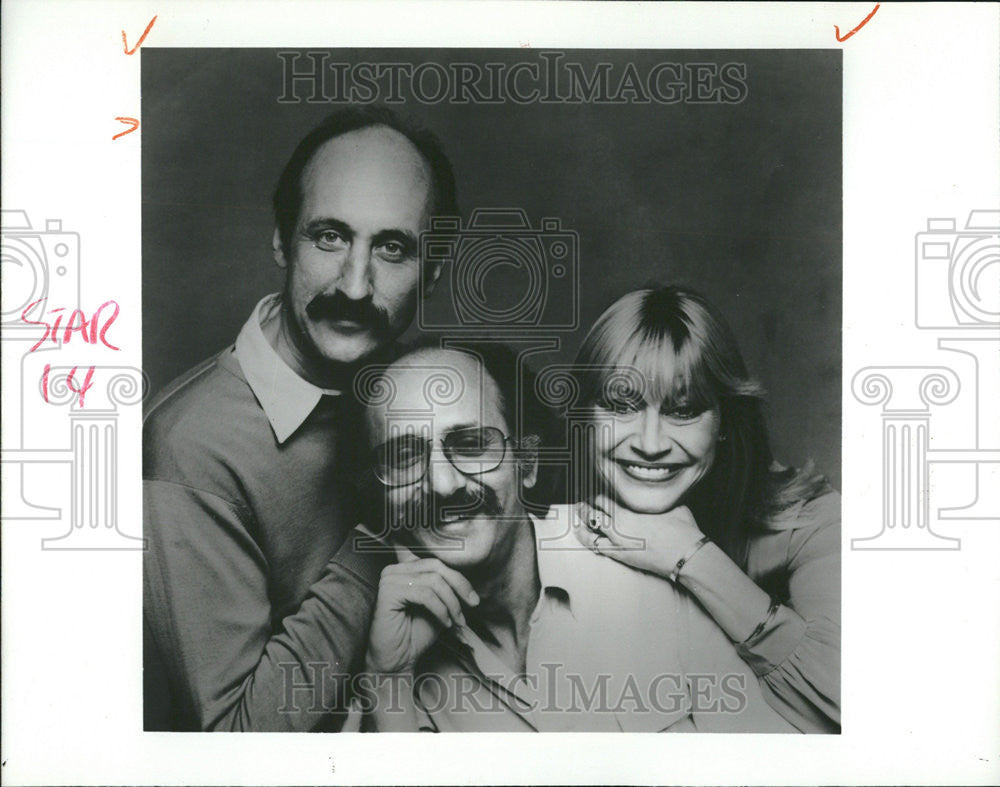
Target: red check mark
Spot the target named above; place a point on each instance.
(864, 22)
(143, 38)
(130, 121)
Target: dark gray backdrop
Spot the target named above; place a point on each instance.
(742, 201)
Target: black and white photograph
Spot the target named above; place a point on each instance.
(495, 390)
(595, 369)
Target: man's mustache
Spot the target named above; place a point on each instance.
(427, 510)
(337, 306)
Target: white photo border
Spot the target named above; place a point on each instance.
(921, 626)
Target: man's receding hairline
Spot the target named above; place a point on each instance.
(419, 352)
(475, 360)
(377, 129)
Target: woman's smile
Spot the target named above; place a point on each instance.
(651, 472)
(650, 456)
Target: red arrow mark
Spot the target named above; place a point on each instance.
(864, 22)
(146, 33)
(131, 121)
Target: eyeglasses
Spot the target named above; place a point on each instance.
(404, 460)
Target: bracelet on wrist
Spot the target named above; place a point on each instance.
(771, 612)
(676, 572)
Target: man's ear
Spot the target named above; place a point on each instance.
(278, 250)
(527, 459)
(432, 272)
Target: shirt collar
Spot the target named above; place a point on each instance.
(558, 553)
(286, 398)
(561, 557)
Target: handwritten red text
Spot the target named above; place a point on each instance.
(91, 330)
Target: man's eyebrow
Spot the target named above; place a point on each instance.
(318, 225)
(404, 237)
(462, 427)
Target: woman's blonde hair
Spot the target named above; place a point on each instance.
(680, 348)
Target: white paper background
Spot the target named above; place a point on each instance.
(921, 628)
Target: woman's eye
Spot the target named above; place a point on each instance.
(619, 405)
(683, 413)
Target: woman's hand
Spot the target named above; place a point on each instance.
(650, 542)
(417, 599)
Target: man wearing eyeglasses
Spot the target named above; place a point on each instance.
(495, 620)
(454, 475)
(251, 620)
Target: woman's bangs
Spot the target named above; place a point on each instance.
(673, 376)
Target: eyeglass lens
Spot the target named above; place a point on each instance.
(403, 460)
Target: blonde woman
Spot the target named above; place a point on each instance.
(679, 461)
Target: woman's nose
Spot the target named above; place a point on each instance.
(652, 439)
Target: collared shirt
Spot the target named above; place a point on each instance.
(252, 617)
(286, 398)
(609, 649)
